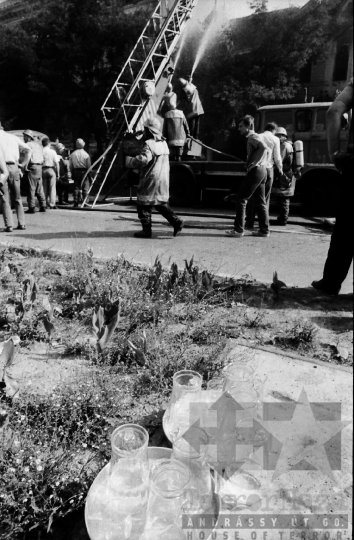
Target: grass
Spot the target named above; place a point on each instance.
(54, 443)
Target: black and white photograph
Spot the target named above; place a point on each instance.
(176, 277)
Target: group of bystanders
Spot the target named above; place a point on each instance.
(46, 172)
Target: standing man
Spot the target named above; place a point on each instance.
(273, 144)
(340, 253)
(63, 180)
(50, 173)
(254, 183)
(153, 188)
(34, 174)
(79, 164)
(17, 155)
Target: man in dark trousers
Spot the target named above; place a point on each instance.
(34, 174)
(341, 251)
(79, 163)
(254, 183)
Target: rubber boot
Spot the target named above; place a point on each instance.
(145, 233)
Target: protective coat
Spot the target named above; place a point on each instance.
(154, 166)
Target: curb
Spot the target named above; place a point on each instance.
(293, 356)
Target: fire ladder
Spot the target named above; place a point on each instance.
(126, 103)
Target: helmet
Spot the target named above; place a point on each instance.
(29, 134)
(282, 131)
(153, 125)
(80, 143)
(60, 147)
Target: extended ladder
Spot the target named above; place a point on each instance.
(126, 102)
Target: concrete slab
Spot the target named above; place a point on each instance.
(309, 409)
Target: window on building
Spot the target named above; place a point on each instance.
(321, 120)
(282, 118)
(304, 120)
(341, 64)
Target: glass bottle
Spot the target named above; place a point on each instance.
(167, 495)
(193, 454)
(129, 478)
(185, 404)
(245, 387)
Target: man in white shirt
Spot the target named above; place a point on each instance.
(274, 159)
(50, 172)
(34, 174)
(79, 164)
(16, 154)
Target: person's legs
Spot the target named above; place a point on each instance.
(262, 208)
(340, 255)
(15, 191)
(45, 186)
(284, 210)
(144, 214)
(341, 251)
(6, 204)
(77, 186)
(85, 186)
(269, 186)
(31, 197)
(250, 213)
(253, 179)
(52, 190)
(166, 211)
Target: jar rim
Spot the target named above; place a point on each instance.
(186, 372)
(170, 465)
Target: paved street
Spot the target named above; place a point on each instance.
(298, 253)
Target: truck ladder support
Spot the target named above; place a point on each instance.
(125, 103)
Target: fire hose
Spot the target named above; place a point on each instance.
(215, 151)
(190, 137)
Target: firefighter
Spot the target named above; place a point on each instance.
(153, 188)
(175, 130)
(285, 181)
(63, 180)
(192, 107)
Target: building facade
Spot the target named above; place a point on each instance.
(329, 76)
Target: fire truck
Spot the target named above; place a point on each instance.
(200, 178)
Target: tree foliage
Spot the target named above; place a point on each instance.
(58, 66)
(259, 61)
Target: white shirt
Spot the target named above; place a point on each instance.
(273, 144)
(12, 147)
(50, 158)
(80, 160)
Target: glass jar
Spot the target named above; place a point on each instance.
(193, 454)
(245, 387)
(185, 404)
(168, 485)
(128, 482)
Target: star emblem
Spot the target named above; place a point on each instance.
(303, 440)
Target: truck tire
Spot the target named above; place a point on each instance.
(182, 186)
(318, 192)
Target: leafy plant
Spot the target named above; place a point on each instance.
(104, 324)
(8, 385)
